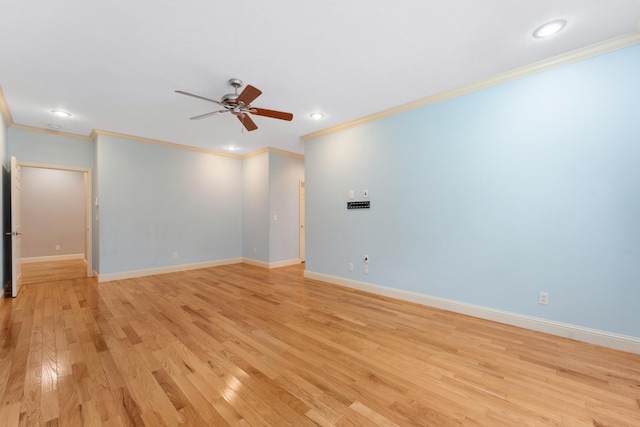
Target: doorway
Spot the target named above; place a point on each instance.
(57, 222)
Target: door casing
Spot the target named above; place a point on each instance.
(88, 207)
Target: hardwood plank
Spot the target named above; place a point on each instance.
(10, 414)
(19, 353)
(70, 413)
(132, 410)
(50, 271)
(90, 415)
(49, 406)
(244, 346)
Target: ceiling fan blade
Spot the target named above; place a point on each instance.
(247, 122)
(248, 95)
(209, 114)
(271, 113)
(199, 97)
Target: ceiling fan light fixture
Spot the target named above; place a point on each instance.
(549, 29)
(316, 116)
(61, 113)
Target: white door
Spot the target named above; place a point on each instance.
(16, 229)
(302, 229)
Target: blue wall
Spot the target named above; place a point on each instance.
(491, 197)
(285, 173)
(156, 200)
(255, 211)
(50, 149)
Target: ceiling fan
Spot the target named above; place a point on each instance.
(240, 105)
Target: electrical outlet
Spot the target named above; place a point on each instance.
(174, 255)
(543, 298)
(350, 266)
(57, 247)
(366, 269)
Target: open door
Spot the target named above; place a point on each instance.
(16, 229)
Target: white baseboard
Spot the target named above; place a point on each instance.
(52, 258)
(184, 267)
(271, 265)
(579, 333)
(255, 262)
(163, 270)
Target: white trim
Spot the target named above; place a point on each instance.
(184, 267)
(88, 223)
(271, 265)
(579, 333)
(56, 167)
(273, 150)
(285, 263)
(50, 132)
(97, 132)
(528, 70)
(255, 262)
(52, 258)
(164, 270)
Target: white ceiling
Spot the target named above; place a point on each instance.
(115, 64)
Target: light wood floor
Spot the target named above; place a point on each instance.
(51, 271)
(244, 346)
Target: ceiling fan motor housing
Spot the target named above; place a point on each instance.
(230, 99)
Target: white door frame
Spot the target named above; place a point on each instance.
(16, 228)
(88, 206)
(303, 230)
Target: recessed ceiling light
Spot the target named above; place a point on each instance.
(61, 113)
(316, 116)
(550, 28)
(52, 126)
(232, 147)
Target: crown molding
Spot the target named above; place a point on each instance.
(97, 132)
(50, 132)
(4, 109)
(517, 73)
(273, 150)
